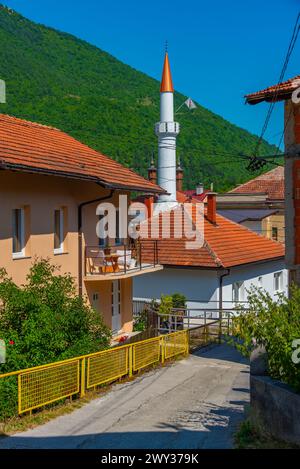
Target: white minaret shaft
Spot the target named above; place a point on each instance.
(167, 131)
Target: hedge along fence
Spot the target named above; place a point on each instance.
(46, 384)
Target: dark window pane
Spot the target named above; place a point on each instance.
(17, 231)
(57, 230)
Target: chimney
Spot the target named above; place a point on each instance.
(199, 189)
(149, 201)
(179, 177)
(152, 172)
(211, 207)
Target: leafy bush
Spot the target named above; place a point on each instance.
(178, 300)
(42, 322)
(275, 325)
(165, 306)
(141, 323)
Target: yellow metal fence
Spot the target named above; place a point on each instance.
(50, 383)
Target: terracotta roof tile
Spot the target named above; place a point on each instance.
(226, 244)
(270, 183)
(192, 193)
(274, 93)
(28, 146)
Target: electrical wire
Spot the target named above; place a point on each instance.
(254, 163)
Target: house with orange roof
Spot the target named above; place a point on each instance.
(51, 186)
(219, 273)
(258, 204)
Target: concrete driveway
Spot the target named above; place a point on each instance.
(192, 404)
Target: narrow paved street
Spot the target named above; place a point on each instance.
(195, 403)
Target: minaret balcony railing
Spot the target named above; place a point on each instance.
(168, 128)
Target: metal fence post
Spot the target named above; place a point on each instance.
(130, 358)
(187, 336)
(162, 350)
(82, 381)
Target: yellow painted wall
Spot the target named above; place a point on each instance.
(40, 196)
(103, 289)
(277, 221)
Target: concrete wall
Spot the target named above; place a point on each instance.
(201, 287)
(40, 196)
(250, 274)
(275, 408)
(253, 225)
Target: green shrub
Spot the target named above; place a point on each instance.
(141, 323)
(42, 322)
(178, 300)
(275, 325)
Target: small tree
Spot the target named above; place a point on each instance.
(178, 300)
(44, 321)
(165, 306)
(274, 325)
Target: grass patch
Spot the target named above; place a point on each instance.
(249, 436)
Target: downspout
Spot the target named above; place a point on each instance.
(80, 207)
(221, 288)
(227, 272)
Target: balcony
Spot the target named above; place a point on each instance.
(121, 261)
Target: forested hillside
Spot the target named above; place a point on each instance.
(55, 78)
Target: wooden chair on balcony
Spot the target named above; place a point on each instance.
(126, 261)
(97, 262)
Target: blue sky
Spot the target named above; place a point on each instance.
(218, 50)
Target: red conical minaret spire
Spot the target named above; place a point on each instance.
(166, 80)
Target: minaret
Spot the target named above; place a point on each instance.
(167, 131)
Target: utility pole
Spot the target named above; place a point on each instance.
(292, 187)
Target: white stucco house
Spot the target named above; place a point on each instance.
(218, 274)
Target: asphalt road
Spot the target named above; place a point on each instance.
(195, 403)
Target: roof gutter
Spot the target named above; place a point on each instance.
(80, 263)
(76, 176)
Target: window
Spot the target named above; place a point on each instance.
(103, 241)
(278, 281)
(116, 305)
(260, 282)
(237, 291)
(95, 297)
(118, 240)
(58, 231)
(18, 233)
(275, 233)
(116, 297)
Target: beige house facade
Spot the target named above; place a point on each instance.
(50, 212)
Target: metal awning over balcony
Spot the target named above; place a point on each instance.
(120, 261)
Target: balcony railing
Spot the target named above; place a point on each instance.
(121, 259)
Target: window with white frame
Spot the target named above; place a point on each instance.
(278, 281)
(18, 237)
(260, 282)
(58, 231)
(237, 292)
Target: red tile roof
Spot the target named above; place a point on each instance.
(28, 146)
(274, 93)
(271, 183)
(192, 193)
(226, 244)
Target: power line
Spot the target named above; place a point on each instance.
(254, 162)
